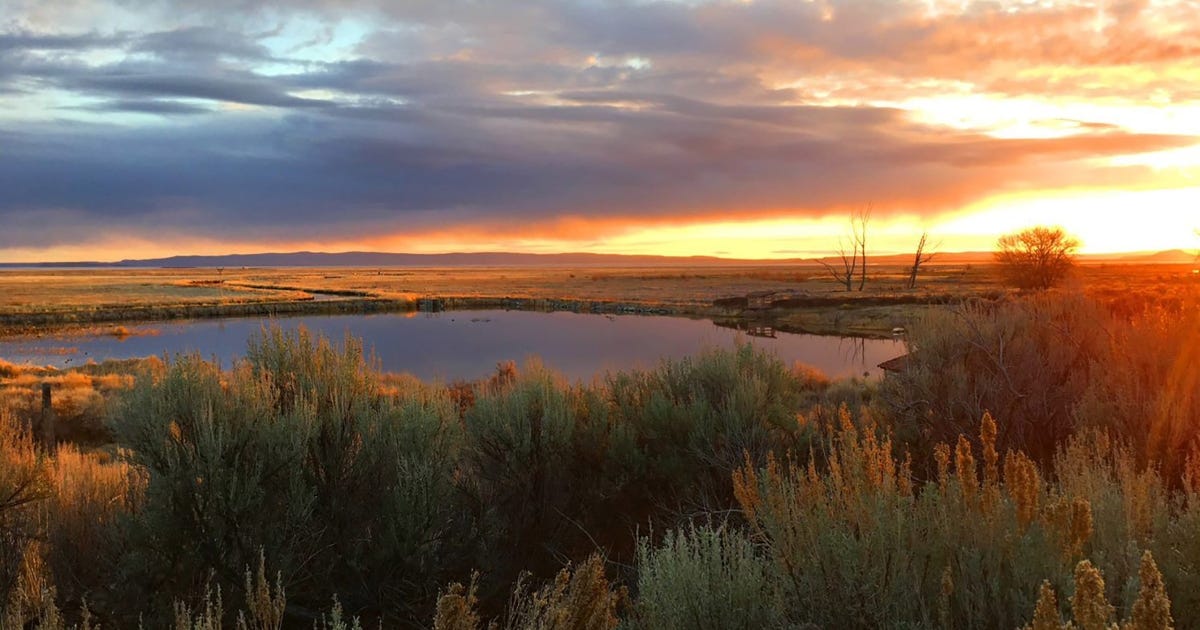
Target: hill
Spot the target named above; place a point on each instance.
(510, 259)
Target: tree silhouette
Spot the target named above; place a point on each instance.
(920, 259)
(1036, 258)
(854, 261)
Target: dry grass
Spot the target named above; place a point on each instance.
(83, 289)
(30, 300)
(81, 396)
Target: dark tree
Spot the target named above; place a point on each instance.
(920, 259)
(852, 262)
(1036, 258)
(858, 225)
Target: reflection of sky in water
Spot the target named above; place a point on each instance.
(468, 344)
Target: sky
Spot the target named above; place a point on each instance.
(741, 128)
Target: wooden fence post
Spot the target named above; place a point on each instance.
(48, 419)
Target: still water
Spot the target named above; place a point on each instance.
(468, 344)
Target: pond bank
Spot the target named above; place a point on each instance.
(464, 344)
(875, 317)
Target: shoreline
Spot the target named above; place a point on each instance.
(871, 318)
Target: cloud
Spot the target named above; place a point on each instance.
(200, 42)
(145, 106)
(349, 119)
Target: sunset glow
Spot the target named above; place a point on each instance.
(734, 129)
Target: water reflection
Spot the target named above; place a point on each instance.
(467, 344)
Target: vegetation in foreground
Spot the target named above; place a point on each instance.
(1049, 475)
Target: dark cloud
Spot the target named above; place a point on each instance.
(200, 43)
(145, 106)
(227, 86)
(514, 114)
(26, 40)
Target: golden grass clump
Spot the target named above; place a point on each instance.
(1046, 616)
(941, 454)
(1089, 605)
(1091, 610)
(746, 486)
(964, 468)
(991, 460)
(1152, 610)
(1024, 485)
(1070, 522)
(579, 598)
(89, 491)
(456, 608)
(1139, 489)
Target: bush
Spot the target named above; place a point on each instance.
(1047, 367)
(857, 545)
(1027, 363)
(1145, 387)
(296, 454)
(539, 454)
(705, 578)
(696, 417)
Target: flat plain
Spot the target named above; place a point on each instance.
(806, 298)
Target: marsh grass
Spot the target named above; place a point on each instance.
(81, 397)
(1049, 366)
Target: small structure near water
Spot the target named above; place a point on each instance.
(760, 300)
(896, 365)
(761, 331)
(430, 305)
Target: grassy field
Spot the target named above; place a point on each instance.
(808, 300)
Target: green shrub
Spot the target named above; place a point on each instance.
(705, 578)
(294, 452)
(696, 417)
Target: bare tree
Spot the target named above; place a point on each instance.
(853, 262)
(843, 272)
(920, 259)
(1036, 258)
(858, 227)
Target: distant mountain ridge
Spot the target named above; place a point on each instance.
(502, 259)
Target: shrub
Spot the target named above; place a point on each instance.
(538, 453)
(857, 546)
(1025, 362)
(1145, 387)
(705, 577)
(696, 417)
(296, 454)
(1047, 367)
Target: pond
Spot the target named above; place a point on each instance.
(467, 344)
